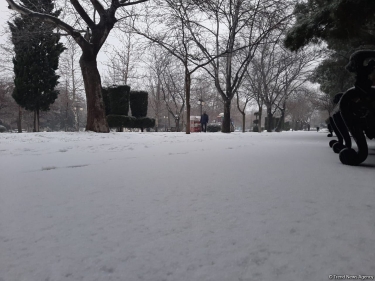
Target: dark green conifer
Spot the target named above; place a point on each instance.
(37, 50)
(337, 22)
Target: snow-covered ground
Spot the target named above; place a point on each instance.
(177, 207)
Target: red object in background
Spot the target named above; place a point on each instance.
(195, 124)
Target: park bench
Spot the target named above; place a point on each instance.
(354, 112)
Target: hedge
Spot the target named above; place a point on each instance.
(106, 101)
(144, 122)
(119, 99)
(139, 103)
(116, 121)
(213, 128)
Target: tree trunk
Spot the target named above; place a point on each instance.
(269, 117)
(19, 120)
(157, 113)
(96, 120)
(66, 116)
(34, 127)
(226, 119)
(187, 92)
(260, 120)
(243, 122)
(36, 121)
(280, 124)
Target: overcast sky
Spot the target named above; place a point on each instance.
(4, 17)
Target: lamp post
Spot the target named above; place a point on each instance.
(201, 102)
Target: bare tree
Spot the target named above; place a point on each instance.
(204, 95)
(6, 101)
(10, 111)
(95, 35)
(275, 74)
(124, 57)
(156, 62)
(173, 92)
(301, 107)
(244, 98)
(6, 55)
(236, 28)
(174, 35)
(72, 83)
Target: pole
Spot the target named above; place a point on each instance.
(78, 119)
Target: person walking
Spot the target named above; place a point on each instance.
(204, 121)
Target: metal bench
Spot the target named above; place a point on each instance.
(354, 113)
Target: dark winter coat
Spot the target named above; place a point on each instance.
(204, 118)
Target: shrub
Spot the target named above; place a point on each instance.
(2, 129)
(106, 101)
(213, 128)
(119, 99)
(117, 121)
(144, 122)
(139, 103)
(255, 129)
(286, 126)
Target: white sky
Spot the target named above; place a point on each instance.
(4, 17)
(5, 14)
(171, 206)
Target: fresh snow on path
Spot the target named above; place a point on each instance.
(177, 207)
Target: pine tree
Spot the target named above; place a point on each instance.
(37, 50)
(337, 22)
(344, 25)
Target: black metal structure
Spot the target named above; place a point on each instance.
(354, 113)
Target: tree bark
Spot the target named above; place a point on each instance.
(269, 117)
(187, 91)
(36, 121)
(226, 119)
(19, 120)
(260, 119)
(243, 122)
(280, 124)
(96, 120)
(157, 113)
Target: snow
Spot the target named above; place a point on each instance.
(177, 207)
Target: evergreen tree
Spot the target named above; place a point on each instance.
(336, 22)
(331, 74)
(37, 50)
(333, 77)
(345, 25)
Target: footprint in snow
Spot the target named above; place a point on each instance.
(77, 166)
(49, 168)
